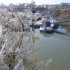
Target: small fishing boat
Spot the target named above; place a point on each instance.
(60, 30)
(48, 27)
(41, 29)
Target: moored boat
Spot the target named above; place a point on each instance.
(41, 29)
(47, 27)
(60, 30)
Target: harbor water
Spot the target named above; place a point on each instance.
(54, 46)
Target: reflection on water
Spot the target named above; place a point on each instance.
(55, 46)
(46, 34)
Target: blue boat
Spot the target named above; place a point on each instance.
(47, 27)
(60, 30)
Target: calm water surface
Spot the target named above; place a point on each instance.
(55, 46)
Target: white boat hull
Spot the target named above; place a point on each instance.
(41, 29)
(47, 29)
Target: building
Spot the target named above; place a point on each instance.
(65, 5)
(65, 13)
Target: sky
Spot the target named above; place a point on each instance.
(37, 1)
